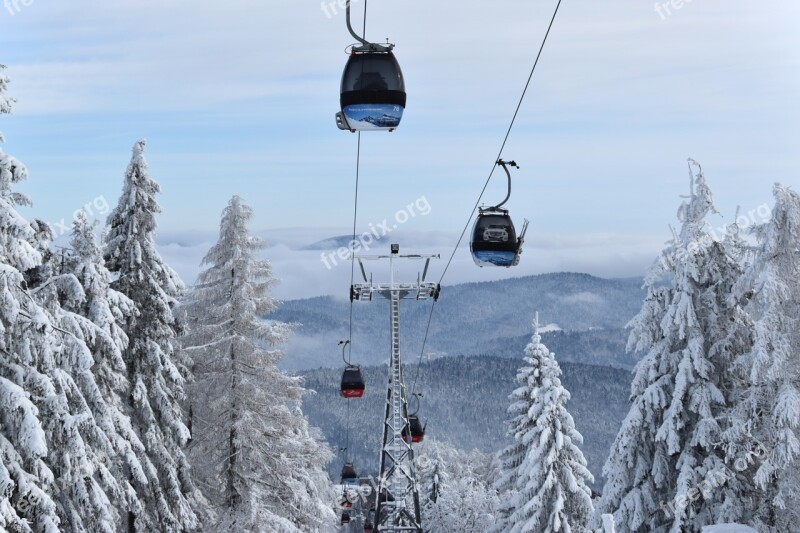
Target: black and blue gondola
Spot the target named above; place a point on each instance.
(494, 239)
(373, 92)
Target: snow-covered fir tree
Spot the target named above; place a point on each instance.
(78, 447)
(26, 355)
(457, 495)
(105, 308)
(666, 471)
(433, 475)
(544, 478)
(764, 438)
(254, 453)
(5, 100)
(103, 311)
(154, 369)
(45, 359)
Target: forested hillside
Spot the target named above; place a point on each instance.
(604, 347)
(489, 318)
(465, 402)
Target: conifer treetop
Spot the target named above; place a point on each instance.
(130, 243)
(5, 101)
(701, 200)
(17, 235)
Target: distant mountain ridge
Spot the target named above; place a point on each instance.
(486, 318)
(331, 243)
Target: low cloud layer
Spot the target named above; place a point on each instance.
(303, 273)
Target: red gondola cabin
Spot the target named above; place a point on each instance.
(416, 430)
(352, 382)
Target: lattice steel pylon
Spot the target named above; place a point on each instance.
(397, 495)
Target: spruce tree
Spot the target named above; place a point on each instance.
(155, 371)
(102, 312)
(764, 437)
(255, 455)
(51, 445)
(457, 494)
(666, 470)
(544, 471)
(79, 448)
(27, 361)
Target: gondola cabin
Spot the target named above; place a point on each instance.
(349, 474)
(373, 93)
(494, 239)
(352, 385)
(415, 428)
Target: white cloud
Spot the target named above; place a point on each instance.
(304, 274)
(586, 298)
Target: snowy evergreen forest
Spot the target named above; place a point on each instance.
(464, 404)
(130, 403)
(133, 402)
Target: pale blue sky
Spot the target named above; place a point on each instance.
(239, 96)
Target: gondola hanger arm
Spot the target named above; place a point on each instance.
(366, 46)
(417, 396)
(344, 345)
(505, 165)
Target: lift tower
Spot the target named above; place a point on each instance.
(397, 494)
